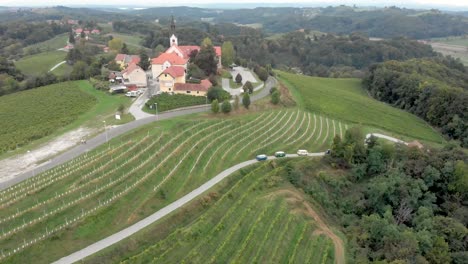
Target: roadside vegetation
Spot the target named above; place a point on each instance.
(43, 111)
(107, 189)
(168, 102)
(345, 99)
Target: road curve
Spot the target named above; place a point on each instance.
(115, 132)
(112, 239)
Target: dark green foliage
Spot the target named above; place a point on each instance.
(246, 100)
(434, 89)
(262, 73)
(71, 37)
(218, 94)
(195, 72)
(248, 87)
(144, 61)
(215, 106)
(167, 101)
(226, 107)
(275, 98)
(236, 102)
(124, 49)
(206, 60)
(238, 78)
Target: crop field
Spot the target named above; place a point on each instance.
(36, 113)
(97, 194)
(254, 219)
(40, 63)
(345, 99)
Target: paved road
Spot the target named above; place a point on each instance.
(57, 65)
(110, 240)
(114, 132)
(137, 105)
(392, 139)
(236, 91)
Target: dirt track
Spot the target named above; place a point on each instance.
(322, 227)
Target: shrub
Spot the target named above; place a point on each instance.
(226, 107)
(275, 98)
(246, 100)
(218, 94)
(215, 106)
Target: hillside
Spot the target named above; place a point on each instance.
(41, 63)
(345, 99)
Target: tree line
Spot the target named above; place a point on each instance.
(434, 89)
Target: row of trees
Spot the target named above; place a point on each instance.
(396, 204)
(434, 89)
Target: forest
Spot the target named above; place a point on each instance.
(396, 204)
(435, 89)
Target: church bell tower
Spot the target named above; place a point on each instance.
(173, 39)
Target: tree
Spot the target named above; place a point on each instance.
(238, 78)
(144, 61)
(217, 93)
(79, 71)
(262, 73)
(71, 37)
(206, 60)
(248, 87)
(206, 43)
(226, 107)
(215, 106)
(246, 100)
(236, 102)
(275, 98)
(227, 54)
(115, 44)
(124, 49)
(439, 254)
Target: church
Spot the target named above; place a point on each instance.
(169, 68)
(176, 55)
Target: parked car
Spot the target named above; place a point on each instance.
(302, 152)
(132, 94)
(261, 157)
(280, 154)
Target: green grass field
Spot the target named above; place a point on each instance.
(345, 99)
(255, 216)
(36, 113)
(100, 193)
(40, 63)
(102, 109)
(50, 45)
(456, 40)
(131, 40)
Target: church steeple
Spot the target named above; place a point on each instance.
(173, 39)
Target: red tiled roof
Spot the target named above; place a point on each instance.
(170, 57)
(206, 83)
(78, 30)
(174, 71)
(190, 87)
(135, 59)
(132, 67)
(96, 31)
(186, 50)
(120, 57)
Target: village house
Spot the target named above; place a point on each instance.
(197, 89)
(169, 77)
(125, 60)
(134, 75)
(164, 61)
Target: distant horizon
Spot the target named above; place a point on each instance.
(457, 5)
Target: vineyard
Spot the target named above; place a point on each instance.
(255, 219)
(33, 114)
(107, 189)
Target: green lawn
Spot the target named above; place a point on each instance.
(114, 186)
(131, 40)
(40, 63)
(345, 99)
(49, 45)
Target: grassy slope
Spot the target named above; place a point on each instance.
(452, 41)
(345, 99)
(40, 63)
(223, 217)
(52, 44)
(131, 40)
(103, 110)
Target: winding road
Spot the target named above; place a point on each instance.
(112, 239)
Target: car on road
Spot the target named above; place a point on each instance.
(280, 154)
(261, 157)
(302, 152)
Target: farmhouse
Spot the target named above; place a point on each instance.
(197, 89)
(164, 61)
(170, 77)
(125, 60)
(134, 75)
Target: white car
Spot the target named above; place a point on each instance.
(302, 152)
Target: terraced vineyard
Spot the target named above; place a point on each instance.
(253, 220)
(95, 195)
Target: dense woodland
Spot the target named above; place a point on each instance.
(434, 89)
(396, 204)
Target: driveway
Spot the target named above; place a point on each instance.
(115, 132)
(245, 73)
(137, 105)
(110, 240)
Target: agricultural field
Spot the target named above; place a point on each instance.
(52, 44)
(167, 102)
(345, 99)
(131, 40)
(455, 40)
(40, 63)
(33, 114)
(114, 186)
(255, 217)
(456, 51)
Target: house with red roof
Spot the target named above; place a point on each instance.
(196, 89)
(125, 60)
(134, 75)
(171, 76)
(166, 60)
(185, 51)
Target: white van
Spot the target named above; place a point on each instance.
(302, 152)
